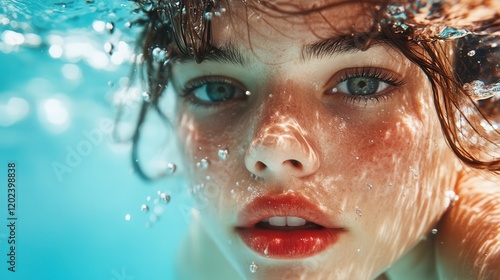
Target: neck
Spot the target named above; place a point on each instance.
(418, 263)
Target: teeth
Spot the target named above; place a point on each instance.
(295, 221)
(285, 221)
(277, 221)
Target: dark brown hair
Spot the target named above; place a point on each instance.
(183, 28)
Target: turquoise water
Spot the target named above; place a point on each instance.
(77, 202)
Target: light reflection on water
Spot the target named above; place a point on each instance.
(79, 205)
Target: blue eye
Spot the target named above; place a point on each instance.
(215, 92)
(209, 90)
(361, 86)
(366, 82)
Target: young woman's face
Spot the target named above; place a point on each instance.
(307, 155)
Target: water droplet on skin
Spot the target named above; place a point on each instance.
(144, 208)
(358, 251)
(248, 93)
(233, 192)
(471, 53)
(208, 178)
(253, 267)
(451, 197)
(249, 189)
(266, 252)
(222, 10)
(434, 231)
(145, 96)
(369, 186)
(222, 153)
(203, 164)
(358, 211)
(237, 184)
(357, 158)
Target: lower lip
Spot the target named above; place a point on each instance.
(292, 244)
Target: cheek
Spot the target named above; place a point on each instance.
(212, 157)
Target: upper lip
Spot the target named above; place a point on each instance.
(295, 205)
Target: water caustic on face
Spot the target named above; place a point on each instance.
(320, 125)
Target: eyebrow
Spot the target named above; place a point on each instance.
(319, 49)
(225, 54)
(341, 44)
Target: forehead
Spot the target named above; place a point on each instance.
(284, 23)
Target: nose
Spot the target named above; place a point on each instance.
(280, 149)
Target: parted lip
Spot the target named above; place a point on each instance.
(283, 205)
(286, 242)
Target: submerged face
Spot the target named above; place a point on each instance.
(307, 155)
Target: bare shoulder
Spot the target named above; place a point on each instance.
(468, 241)
(199, 258)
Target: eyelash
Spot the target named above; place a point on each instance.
(369, 72)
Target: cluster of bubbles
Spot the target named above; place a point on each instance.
(158, 205)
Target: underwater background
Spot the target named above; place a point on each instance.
(80, 210)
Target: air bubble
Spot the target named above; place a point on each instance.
(253, 267)
(127, 217)
(222, 153)
(146, 97)
(108, 47)
(248, 93)
(434, 231)
(203, 164)
(471, 53)
(144, 208)
(159, 54)
(110, 26)
(208, 15)
(266, 252)
(233, 192)
(165, 197)
(171, 167)
(479, 91)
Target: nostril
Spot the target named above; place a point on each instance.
(295, 163)
(260, 166)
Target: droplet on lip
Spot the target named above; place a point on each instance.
(253, 267)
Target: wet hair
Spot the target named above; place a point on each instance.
(183, 29)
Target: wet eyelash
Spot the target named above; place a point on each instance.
(370, 72)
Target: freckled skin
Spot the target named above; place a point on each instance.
(394, 145)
